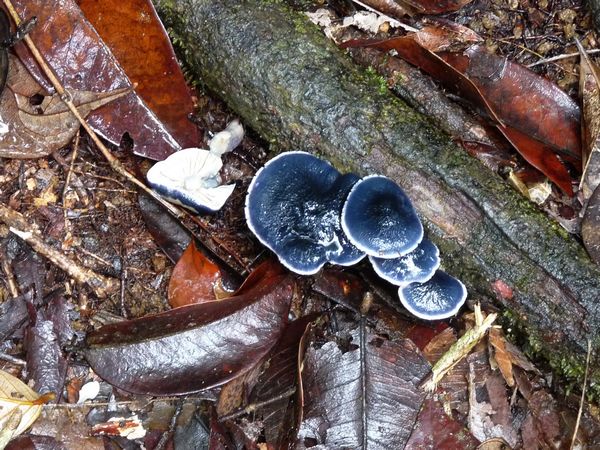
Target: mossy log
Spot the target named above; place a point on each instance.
(298, 91)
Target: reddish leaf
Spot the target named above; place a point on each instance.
(194, 279)
(438, 6)
(367, 396)
(436, 430)
(538, 119)
(194, 347)
(524, 100)
(136, 37)
(540, 157)
(82, 61)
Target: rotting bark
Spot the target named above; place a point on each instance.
(295, 88)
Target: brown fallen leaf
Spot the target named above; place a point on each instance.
(589, 91)
(34, 130)
(508, 355)
(81, 61)
(137, 38)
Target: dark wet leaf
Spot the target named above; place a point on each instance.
(35, 443)
(436, 430)
(13, 314)
(193, 434)
(194, 278)
(344, 410)
(82, 62)
(33, 131)
(194, 347)
(136, 37)
(45, 361)
(168, 233)
(280, 418)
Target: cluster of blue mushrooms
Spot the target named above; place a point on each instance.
(309, 214)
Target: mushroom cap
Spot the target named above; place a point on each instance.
(290, 208)
(350, 254)
(379, 219)
(439, 298)
(190, 178)
(416, 266)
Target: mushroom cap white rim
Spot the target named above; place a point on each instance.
(417, 266)
(190, 178)
(352, 229)
(318, 242)
(439, 298)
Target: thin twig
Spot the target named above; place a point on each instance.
(65, 96)
(391, 20)
(254, 406)
(585, 377)
(563, 56)
(101, 285)
(66, 186)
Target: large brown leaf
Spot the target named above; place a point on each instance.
(82, 61)
(194, 347)
(364, 398)
(138, 40)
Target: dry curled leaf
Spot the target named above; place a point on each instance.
(20, 405)
(34, 129)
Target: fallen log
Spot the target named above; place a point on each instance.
(294, 87)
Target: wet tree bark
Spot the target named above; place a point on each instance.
(295, 88)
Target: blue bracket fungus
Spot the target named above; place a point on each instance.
(293, 207)
(416, 266)
(439, 298)
(309, 214)
(379, 218)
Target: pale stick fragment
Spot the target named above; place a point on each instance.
(460, 349)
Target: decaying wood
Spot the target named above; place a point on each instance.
(101, 286)
(295, 88)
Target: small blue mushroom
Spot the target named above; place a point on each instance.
(379, 219)
(436, 299)
(416, 266)
(293, 207)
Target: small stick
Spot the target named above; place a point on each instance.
(563, 56)
(101, 285)
(67, 182)
(254, 406)
(10, 276)
(585, 377)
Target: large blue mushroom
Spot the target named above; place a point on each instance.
(293, 207)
